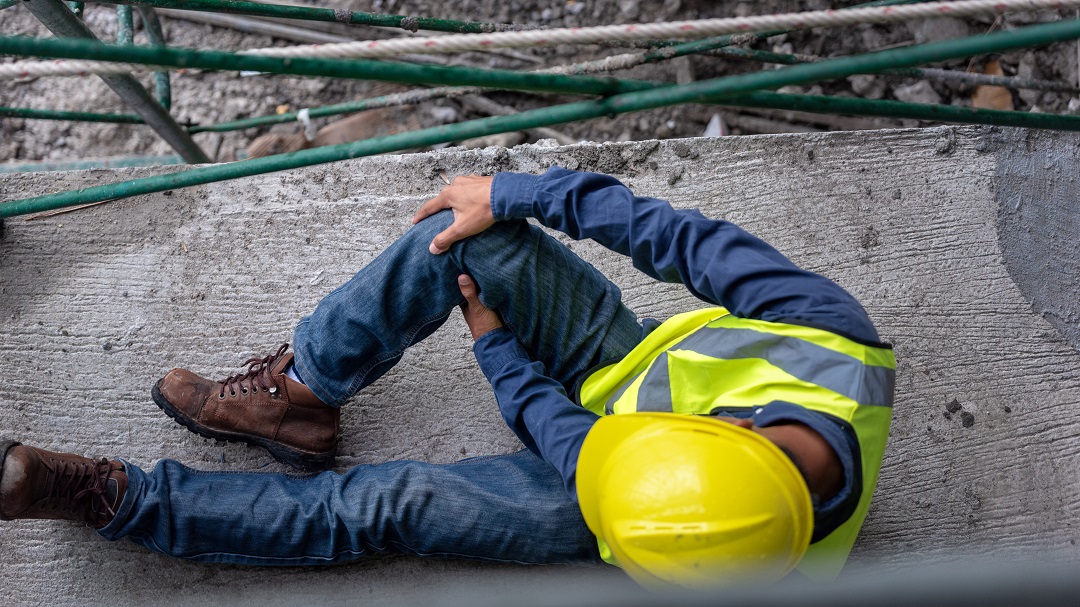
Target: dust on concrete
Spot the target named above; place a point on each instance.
(210, 97)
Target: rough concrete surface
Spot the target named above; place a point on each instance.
(95, 305)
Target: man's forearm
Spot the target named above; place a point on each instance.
(534, 406)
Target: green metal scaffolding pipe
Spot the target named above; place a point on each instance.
(357, 69)
(505, 79)
(18, 112)
(912, 72)
(305, 13)
(315, 112)
(708, 91)
(82, 165)
(125, 25)
(818, 104)
(162, 78)
(57, 18)
(671, 52)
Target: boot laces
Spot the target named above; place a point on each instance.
(256, 377)
(71, 485)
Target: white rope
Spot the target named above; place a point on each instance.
(67, 67)
(383, 49)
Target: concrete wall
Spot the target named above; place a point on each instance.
(977, 292)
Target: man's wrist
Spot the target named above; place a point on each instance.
(512, 195)
(497, 348)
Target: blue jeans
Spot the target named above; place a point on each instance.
(507, 508)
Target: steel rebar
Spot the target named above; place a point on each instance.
(505, 79)
(82, 165)
(162, 78)
(59, 19)
(35, 114)
(925, 73)
(708, 91)
(125, 25)
(361, 69)
(885, 108)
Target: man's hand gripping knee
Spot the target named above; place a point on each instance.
(480, 318)
(470, 199)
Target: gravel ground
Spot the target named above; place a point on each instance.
(207, 97)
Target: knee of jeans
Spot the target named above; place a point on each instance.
(430, 226)
(493, 248)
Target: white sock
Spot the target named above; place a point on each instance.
(292, 374)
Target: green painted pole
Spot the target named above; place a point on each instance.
(504, 79)
(125, 25)
(54, 15)
(162, 82)
(818, 104)
(315, 112)
(671, 52)
(18, 112)
(305, 13)
(82, 165)
(360, 69)
(912, 72)
(708, 91)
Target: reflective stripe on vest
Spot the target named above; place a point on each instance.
(708, 359)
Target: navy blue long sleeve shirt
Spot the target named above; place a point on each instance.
(719, 263)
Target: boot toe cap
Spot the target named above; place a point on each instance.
(185, 390)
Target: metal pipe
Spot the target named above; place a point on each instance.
(396, 99)
(162, 83)
(405, 22)
(82, 165)
(362, 69)
(708, 91)
(884, 108)
(18, 112)
(8, 3)
(125, 25)
(55, 16)
(504, 79)
(914, 72)
(671, 52)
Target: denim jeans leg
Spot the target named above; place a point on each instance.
(564, 311)
(509, 508)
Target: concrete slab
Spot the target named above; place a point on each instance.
(961, 242)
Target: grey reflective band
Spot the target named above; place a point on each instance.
(818, 365)
(655, 391)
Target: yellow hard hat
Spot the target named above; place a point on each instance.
(691, 501)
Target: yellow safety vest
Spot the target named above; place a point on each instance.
(707, 359)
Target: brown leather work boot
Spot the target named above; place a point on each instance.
(39, 484)
(261, 407)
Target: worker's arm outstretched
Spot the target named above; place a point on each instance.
(718, 261)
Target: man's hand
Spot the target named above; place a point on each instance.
(480, 318)
(470, 199)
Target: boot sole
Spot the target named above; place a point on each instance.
(312, 462)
